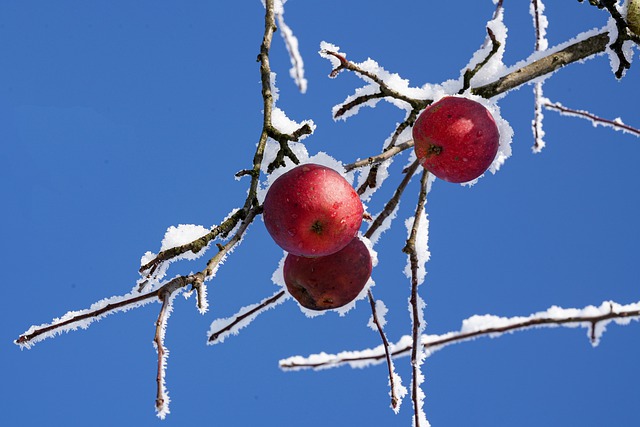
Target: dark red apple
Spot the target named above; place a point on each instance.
(312, 211)
(330, 281)
(456, 139)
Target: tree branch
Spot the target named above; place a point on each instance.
(415, 302)
(495, 327)
(550, 63)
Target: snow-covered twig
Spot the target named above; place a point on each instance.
(396, 395)
(416, 305)
(621, 35)
(385, 155)
(471, 72)
(391, 206)
(83, 318)
(384, 89)
(540, 25)
(195, 246)
(162, 396)
(297, 64)
(616, 124)
(222, 328)
(593, 318)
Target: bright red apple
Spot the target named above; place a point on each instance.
(456, 139)
(330, 281)
(312, 211)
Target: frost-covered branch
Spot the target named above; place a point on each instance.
(595, 319)
(195, 246)
(416, 305)
(540, 24)
(83, 318)
(222, 328)
(385, 155)
(291, 43)
(397, 391)
(616, 124)
(556, 59)
(377, 226)
(621, 33)
(162, 397)
(471, 72)
(385, 89)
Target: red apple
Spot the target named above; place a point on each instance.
(312, 211)
(456, 139)
(330, 281)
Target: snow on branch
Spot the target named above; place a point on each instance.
(540, 24)
(418, 254)
(616, 123)
(162, 395)
(221, 328)
(291, 42)
(594, 319)
(73, 320)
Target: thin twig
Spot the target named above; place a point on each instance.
(196, 246)
(596, 119)
(470, 73)
(161, 402)
(385, 90)
(416, 310)
(374, 160)
(372, 177)
(393, 202)
(239, 318)
(385, 343)
(538, 133)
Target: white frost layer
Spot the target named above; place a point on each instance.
(627, 46)
(542, 23)
(163, 410)
(174, 237)
(477, 326)
(494, 67)
(381, 312)
(538, 116)
(86, 317)
(537, 55)
(616, 124)
(247, 315)
(291, 43)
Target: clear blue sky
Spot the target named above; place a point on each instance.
(120, 119)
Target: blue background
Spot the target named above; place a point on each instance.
(120, 119)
